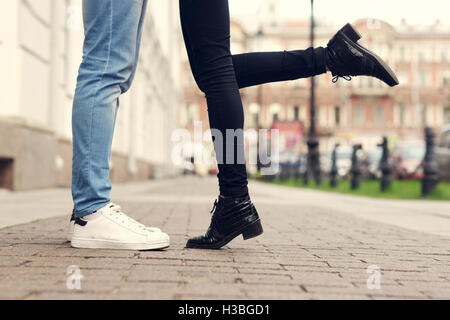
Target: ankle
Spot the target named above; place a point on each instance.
(232, 197)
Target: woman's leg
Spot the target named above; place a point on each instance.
(210, 60)
(206, 29)
(343, 56)
(262, 67)
(257, 68)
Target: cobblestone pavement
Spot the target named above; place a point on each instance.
(306, 252)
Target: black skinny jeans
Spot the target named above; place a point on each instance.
(220, 75)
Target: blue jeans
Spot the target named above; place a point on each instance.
(113, 31)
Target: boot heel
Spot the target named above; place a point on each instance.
(254, 230)
(350, 32)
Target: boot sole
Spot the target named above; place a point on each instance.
(117, 245)
(248, 232)
(391, 77)
(350, 32)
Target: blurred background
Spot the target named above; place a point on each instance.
(40, 51)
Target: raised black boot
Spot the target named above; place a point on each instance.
(346, 58)
(231, 218)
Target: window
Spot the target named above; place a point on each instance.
(379, 115)
(402, 53)
(337, 116)
(423, 115)
(421, 56)
(274, 111)
(358, 115)
(254, 110)
(445, 78)
(402, 116)
(423, 78)
(256, 119)
(296, 112)
(274, 117)
(446, 114)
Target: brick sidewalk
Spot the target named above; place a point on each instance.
(306, 252)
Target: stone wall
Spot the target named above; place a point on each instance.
(31, 153)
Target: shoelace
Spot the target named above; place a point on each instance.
(214, 206)
(213, 218)
(336, 78)
(119, 215)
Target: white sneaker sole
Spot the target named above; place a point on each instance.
(72, 226)
(111, 244)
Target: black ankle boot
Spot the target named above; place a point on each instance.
(231, 217)
(346, 58)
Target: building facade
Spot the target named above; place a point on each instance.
(40, 52)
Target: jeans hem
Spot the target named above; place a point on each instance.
(91, 209)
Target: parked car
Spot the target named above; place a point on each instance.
(407, 158)
(443, 153)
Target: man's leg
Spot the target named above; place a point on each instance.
(110, 51)
(113, 30)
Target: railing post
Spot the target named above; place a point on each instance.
(385, 181)
(334, 168)
(355, 170)
(430, 166)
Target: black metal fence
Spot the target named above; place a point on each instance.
(428, 167)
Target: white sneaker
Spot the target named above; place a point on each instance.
(110, 228)
(72, 225)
